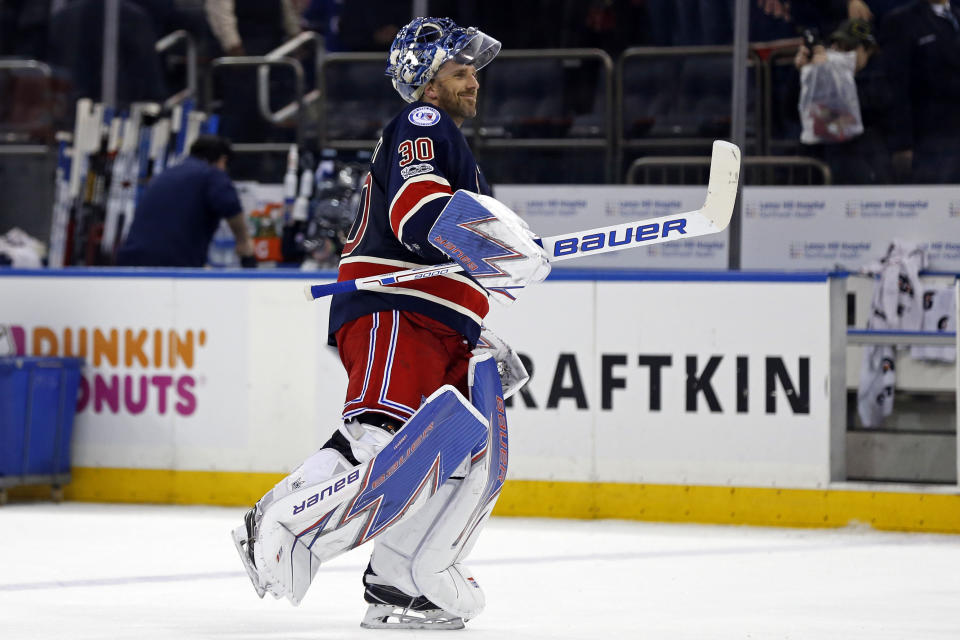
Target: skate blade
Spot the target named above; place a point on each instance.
(389, 617)
(239, 536)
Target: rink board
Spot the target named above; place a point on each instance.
(646, 395)
(794, 228)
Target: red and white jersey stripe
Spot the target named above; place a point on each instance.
(412, 196)
(419, 163)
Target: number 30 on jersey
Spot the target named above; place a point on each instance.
(420, 150)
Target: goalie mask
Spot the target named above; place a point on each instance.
(422, 46)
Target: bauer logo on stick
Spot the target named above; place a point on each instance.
(424, 116)
(611, 239)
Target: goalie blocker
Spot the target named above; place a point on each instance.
(491, 243)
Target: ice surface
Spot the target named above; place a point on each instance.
(76, 571)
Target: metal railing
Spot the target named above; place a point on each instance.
(682, 166)
(27, 167)
(13, 64)
(263, 77)
(330, 60)
(613, 142)
(168, 42)
(313, 108)
(606, 143)
(483, 138)
(258, 61)
(38, 68)
(622, 141)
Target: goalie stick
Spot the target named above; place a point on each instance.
(713, 217)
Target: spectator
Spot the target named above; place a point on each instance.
(23, 27)
(75, 43)
(323, 16)
(609, 25)
(710, 22)
(181, 208)
(371, 25)
(820, 16)
(787, 11)
(167, 15)
(513, 27)
(881, 8)
(863, 159)
(252, 28)
(922, 45)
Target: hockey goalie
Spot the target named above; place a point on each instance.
(420, 455)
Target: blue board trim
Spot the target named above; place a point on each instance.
(210, 274)
(898, 334)
(558, 275)
(642, 275)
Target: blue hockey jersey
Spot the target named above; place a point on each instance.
(420, 160)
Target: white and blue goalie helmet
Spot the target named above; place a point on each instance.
(422, 46)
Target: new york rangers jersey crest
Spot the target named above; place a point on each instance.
(424, 116)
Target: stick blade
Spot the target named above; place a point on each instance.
(722, 187)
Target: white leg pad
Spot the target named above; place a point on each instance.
(395, 549)
(290, 574)
(327, 507)
(423, 554)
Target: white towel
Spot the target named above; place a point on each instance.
(939, 314)
(895, 306)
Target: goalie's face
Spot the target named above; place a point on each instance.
(454, 89)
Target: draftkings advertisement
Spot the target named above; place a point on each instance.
(702, 382)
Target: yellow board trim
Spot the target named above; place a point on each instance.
(163, 486)
(887, 510)
(880, 509)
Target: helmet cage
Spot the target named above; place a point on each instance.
(421, 48)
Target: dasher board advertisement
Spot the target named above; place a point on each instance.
(196, 373)
(666, 381)
(552, 210)
(804, 228)
(720, 383)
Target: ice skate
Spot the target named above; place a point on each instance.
(391, 608)
(386, 616)
(243, 537)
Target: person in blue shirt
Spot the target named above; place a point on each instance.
(180, 210)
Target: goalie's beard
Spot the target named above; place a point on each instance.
(460, 106)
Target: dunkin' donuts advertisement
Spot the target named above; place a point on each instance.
(189, 373)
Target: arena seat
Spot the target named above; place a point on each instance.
(649, 90)
(523, 99)
(360, 101)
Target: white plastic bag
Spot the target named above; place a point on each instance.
(21, 250)
(829, 107)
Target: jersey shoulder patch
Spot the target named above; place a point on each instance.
(424, 116)
(415, 170)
